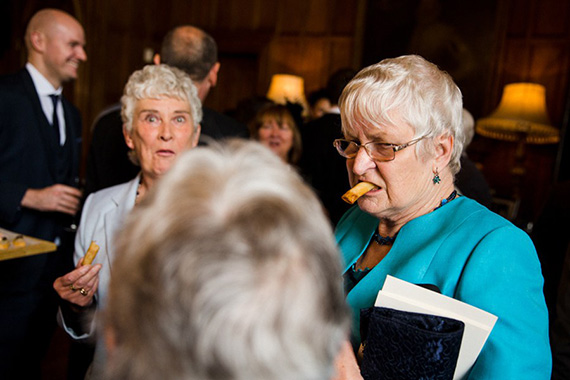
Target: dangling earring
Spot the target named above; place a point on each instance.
(436, 178)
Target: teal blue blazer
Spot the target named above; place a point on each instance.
(472, 255)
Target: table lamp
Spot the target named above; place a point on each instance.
(521, 117)
(287, 88)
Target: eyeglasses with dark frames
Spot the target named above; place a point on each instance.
(376, 150)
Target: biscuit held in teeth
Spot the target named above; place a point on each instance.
(91, 253)
(357, 191)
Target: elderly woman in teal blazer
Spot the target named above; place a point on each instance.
(401, 119)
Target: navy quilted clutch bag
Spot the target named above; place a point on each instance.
(403, 345)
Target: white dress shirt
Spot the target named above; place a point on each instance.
(44, 90)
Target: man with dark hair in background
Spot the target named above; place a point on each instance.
(189, 49)
(321, 165)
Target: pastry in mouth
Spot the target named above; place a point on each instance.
(357, 191)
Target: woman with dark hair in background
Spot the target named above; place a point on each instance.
(275, 127)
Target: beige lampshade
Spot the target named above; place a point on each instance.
(285, 87)
(521, 114)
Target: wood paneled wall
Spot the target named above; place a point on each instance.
(311, 38)
(256, 39)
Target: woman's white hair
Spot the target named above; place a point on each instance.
(408, 89)
(159, 82)
(228, 270)
(468, 128)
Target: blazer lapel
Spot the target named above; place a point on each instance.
(123, 203)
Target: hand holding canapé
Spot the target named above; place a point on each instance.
(78, 286)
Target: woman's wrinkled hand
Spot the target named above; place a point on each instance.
(78, 286)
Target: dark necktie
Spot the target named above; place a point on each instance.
(55, 119)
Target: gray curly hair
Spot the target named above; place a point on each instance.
(157, 82)
(228, 270)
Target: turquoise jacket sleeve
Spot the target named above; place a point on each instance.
(503, 277)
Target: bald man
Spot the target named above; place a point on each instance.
(193, 50)
(40, 140)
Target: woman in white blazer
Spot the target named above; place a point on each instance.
(161, 113)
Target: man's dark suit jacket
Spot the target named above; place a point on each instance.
(28, 159)
(108, 163)
(323, 167)
(219, 126)
(471, 182)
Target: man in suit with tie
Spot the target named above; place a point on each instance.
(40, 140)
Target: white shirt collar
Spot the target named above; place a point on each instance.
(43, 86)
(44, 89)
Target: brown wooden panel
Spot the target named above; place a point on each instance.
(283, 54)
(549, 67)
(241, 42)
(344, 16)
(319, 17)
(518, 17)
(313, 58)
(341, 54)
(198, 13)
(267, 15)
(292, 16)
(237, 80)
(151, 16)
(306, 57)
(243, 15)
(552, 19)
(317, 20)
(224, 16)
(516, 65)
